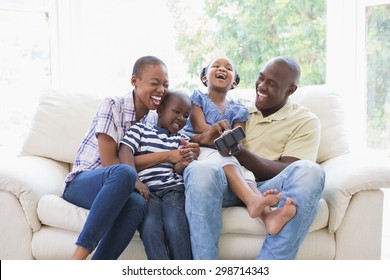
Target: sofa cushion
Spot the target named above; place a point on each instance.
(56, 212)
(326, 104)
(60, 124)
(237, 220)
(349, 174)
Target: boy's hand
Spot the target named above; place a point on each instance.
(174, 156)
(189, 146)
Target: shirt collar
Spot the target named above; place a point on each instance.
(281, 114)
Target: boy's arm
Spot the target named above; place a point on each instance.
(179, 167)
(147, 160)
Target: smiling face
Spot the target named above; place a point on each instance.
(276, 82)
(220, 74)
(174, 111)
(151, 87)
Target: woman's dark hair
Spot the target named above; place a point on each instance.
(143, 63)
(203, 73)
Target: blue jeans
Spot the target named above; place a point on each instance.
(116, 211)
(207, 192)
(165, 231)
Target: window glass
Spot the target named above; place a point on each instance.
(378, 76)
(24, 70)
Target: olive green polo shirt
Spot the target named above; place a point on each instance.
(293, 131)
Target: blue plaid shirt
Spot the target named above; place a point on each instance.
(114, 117)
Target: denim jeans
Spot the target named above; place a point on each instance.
(165, 231)
(207, 192)
(115, 210)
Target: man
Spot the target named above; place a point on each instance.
(280, 148)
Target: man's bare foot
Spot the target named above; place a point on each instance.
(275, 220)
(257, 205)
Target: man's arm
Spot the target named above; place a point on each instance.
(262, 168)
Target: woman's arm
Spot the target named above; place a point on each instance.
(126, 156)
(107, 150)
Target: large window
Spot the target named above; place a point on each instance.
(25, 66)
(90, 46)
(357, 65)
(378, 76)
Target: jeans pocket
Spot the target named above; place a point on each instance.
(178, 200)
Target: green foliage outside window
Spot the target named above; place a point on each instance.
(250, 32)
(378, 76)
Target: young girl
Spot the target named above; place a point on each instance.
(212, 107)
(98, 181)
(164, 231)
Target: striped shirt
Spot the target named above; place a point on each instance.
(115, 116)
(146, 139)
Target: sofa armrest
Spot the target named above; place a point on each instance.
(347, 175)
(28, 178)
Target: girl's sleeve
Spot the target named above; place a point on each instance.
(197, 98)
(241, 115)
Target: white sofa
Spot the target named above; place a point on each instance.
(37, 224)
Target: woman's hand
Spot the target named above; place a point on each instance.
(142, 189)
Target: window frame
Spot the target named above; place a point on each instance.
(346, 62)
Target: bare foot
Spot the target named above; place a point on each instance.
(257, 205)
(275, 220)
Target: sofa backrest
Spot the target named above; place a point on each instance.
(327, 105)
(60, 124)
(62, 120)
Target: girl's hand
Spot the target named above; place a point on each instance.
(208, 136)
(142, 189)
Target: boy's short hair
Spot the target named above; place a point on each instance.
(144, 62)
(182, 92)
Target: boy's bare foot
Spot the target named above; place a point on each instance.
(275, 220)
(257, 205)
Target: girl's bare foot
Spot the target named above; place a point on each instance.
(257, 205)
(275, 220)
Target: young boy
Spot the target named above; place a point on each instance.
(164, 231)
